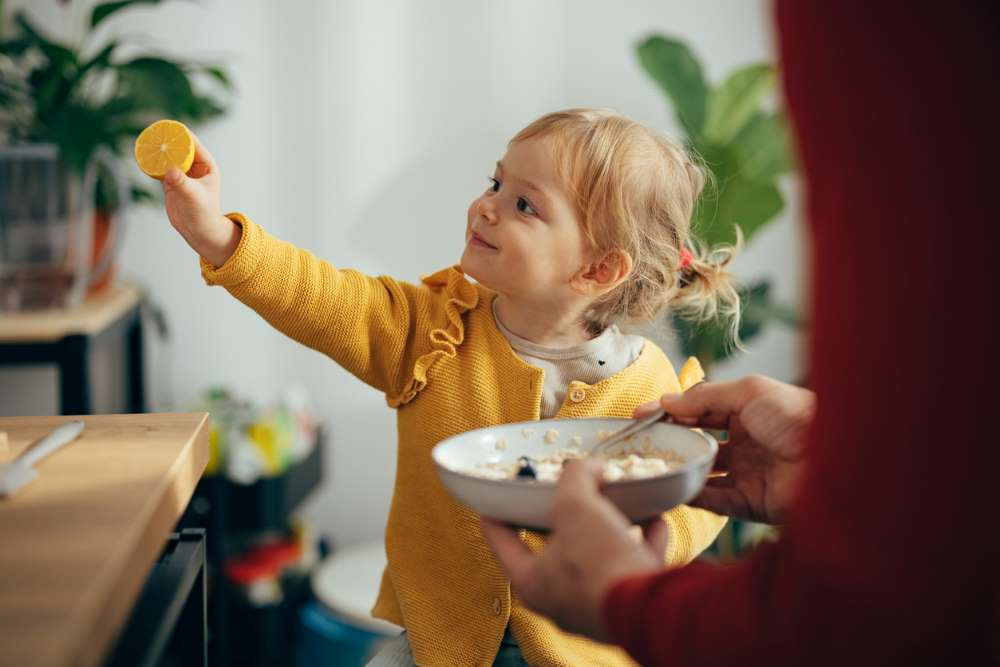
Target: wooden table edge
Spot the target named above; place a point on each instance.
(165, 509)
(88, 318)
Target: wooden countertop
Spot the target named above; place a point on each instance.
(77, 543)
(90, 317)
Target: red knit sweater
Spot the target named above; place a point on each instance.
(892, 551)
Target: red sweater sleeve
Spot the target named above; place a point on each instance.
(891, 552)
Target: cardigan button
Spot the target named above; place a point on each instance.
(577, 395)
(497, 606)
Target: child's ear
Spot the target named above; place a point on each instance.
(604, 275)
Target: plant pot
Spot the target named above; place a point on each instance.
(50, 254)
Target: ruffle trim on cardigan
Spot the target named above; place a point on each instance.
(462, 296)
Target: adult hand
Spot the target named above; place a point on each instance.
(590, 548)
(766, 421)
(192, 203)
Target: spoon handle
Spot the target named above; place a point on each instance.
(630, 430)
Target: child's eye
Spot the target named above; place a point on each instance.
(494, 184)
(524, 206)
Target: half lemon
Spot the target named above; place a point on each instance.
(163, 145)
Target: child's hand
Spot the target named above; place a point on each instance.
(192, 203)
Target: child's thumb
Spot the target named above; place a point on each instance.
(174, 179)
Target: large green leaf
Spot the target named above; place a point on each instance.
(120, 120)
(763, 146)
(687, 338)
(734, 102)
(50, 90)
(51, 94)
(15, 47)
(141, 194)
(675, 69)
(731, 198)
(106, 9)
(156, 85)
(768, 311)
(52, 77)
(744, 202)
(751, 297)
(723, 164)
(100, 60)
(219, 75)
(77, 130)
(204, 108)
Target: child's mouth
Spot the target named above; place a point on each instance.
(477, 240)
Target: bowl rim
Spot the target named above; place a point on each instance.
(686, 467)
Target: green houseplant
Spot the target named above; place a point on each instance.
(86, 98)
(83, 97)
(746, 147)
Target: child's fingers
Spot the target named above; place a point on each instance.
(204, 163)
(173, 180)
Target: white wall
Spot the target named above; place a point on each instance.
(361, 131)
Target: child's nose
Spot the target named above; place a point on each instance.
(486, 211)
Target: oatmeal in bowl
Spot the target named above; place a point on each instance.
(509, 472)
(625, 464)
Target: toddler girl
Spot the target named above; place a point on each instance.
(584, 225)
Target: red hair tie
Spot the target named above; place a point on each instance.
(686, 258)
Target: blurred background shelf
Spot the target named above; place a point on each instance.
(264, 505)
(96, 348)
(236, 517)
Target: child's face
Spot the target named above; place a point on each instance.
(523, 236)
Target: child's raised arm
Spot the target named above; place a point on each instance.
(192, 202)
(375, 328)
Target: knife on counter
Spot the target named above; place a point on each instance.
(19, 472)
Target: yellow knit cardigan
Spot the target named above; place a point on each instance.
(435, 351)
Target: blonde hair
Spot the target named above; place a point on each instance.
(635, 191)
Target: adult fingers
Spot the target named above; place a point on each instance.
(580, 477)
(724, 457)
(722, 501)
(578, 494)
(711, 421)
(656, 533)
(513, 555)
(646, 409)
(712, 404)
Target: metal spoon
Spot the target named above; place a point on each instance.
(628, 431)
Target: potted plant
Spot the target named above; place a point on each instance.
(85, 98)
(746, 147)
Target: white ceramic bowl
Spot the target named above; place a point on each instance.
(526, 503)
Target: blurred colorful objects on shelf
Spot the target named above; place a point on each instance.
(263, 570)
(247, 442)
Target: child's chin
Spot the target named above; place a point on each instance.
(470, 269)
